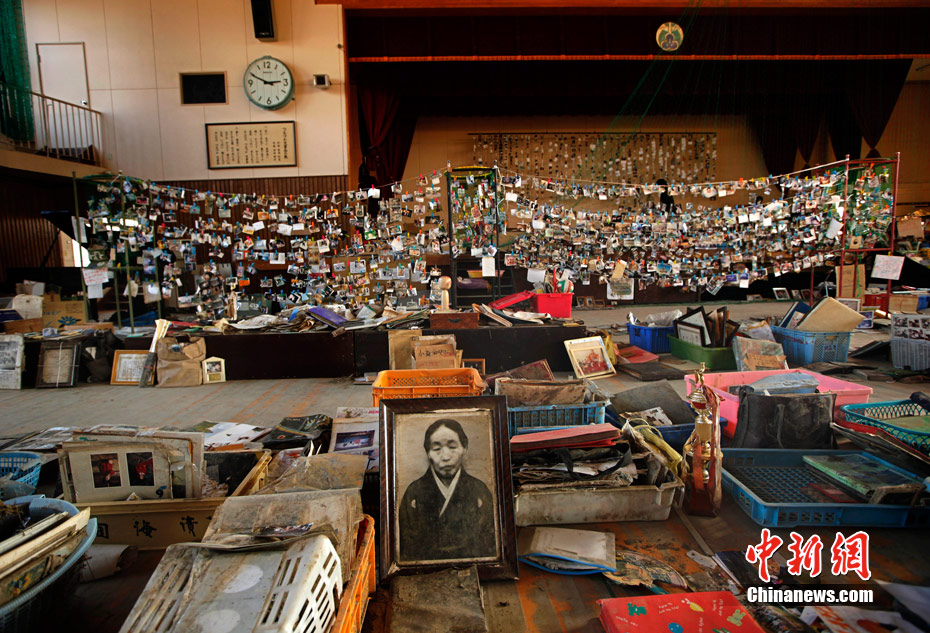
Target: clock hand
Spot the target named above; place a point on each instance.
(277, 81)
(259, 78)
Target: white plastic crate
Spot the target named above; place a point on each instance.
(913, 354)
(295, 590)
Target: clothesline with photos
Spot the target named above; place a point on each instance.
(327, 248)
(301, 238)
(841, 206)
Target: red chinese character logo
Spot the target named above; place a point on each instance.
(805, 555)
(851, 554)
(762, 552)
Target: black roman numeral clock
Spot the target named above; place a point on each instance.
(268, 83)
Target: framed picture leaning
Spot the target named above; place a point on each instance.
(446, 491)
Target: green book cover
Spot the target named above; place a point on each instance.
(860, 473)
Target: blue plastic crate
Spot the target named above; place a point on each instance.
(874, 414)
(554, 416)
(766, 483)
(651, 339)
(24, 466)
(804, 348)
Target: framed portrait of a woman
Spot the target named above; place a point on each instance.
(447, 497)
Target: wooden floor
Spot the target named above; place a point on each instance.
(540, 602)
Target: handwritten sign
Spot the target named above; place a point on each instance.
(269, 144)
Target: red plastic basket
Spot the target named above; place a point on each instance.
(556, 304)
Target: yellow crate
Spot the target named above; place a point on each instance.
(354, 602)
(426, 383)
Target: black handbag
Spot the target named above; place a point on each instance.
(784, 421)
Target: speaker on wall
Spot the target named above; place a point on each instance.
(263, 19)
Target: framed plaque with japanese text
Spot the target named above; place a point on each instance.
(263, 144)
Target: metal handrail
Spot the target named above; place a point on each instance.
(38, 124)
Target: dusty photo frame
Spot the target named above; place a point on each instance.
(589, 357)
(461, 444)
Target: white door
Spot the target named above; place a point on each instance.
(63, 76)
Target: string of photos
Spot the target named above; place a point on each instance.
(196, 248)
(593, 156)
(705, 242)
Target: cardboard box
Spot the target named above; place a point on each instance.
(437, 356)
(903, 303)
(596, 505)
(854, 280)
(453, 320)
(22, 326)
(57, 312)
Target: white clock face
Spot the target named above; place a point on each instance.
(268, 83)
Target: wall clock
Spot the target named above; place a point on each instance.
(268, 83)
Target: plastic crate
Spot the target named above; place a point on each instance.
(766, 484)
(32, 610)
(712, 357)
(846, 392)
(804, 348)
(24, 466)
(362, 582)
(910, 354)
(554, 416)
(556, 304)
(652, 339)
(875, 413)
(426, 383)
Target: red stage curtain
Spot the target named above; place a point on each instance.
(386, 129)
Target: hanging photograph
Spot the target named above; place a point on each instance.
(447, 498)
(261, 144)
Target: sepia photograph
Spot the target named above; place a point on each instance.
(449, 495)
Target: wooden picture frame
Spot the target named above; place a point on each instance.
(227, 147)
(690, 333)
(697, 317)
(477, 364)
(59, 362)
(589, 357)
(127, 367)
(423, 440)
(214, 370)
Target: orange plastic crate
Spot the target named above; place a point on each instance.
(426, 383)
(354, 601)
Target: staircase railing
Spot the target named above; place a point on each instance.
(34, 123)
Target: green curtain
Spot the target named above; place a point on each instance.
(15, 99)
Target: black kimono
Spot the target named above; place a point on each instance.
(465, 529)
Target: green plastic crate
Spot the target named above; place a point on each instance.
(713, 357)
